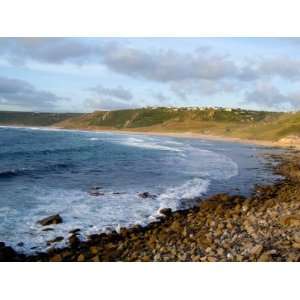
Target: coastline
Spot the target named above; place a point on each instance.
(285, 143)
(262, 227)
(193, 135)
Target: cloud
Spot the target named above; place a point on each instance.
(110, 98)
(269, 96)
(161, 97)
(109, 104)
(284, 67)
(118, 92)
(167, 65)
(186, 88)
(20, 93)
(47, 50)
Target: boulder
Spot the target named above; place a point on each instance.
(81, 258)
(48, 229)
(145, 195)
(74, 231)
(55, 219)
(165, 211)
(56, 258)
(7, 253)
(96, 193)
(57, 239)
(290, 220)
(74, 240)
(256, 250)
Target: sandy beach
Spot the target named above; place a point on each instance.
(284, 143)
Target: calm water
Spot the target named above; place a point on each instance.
(43, 172)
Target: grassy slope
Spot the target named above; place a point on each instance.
(32, 119)
(236, 123)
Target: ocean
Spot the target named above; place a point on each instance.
(49, 171)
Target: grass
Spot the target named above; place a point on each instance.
(33, 119)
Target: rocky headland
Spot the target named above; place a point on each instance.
(263, 227)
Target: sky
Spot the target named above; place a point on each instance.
(88, 74)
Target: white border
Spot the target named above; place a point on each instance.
(136, 18)
(140, 18)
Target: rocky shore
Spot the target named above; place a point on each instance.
(263, 227)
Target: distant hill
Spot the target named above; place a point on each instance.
(245, 124)
(32, 118)
(238, 123)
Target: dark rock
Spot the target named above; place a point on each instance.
(48, 229)
(74, 231)
(95, 193)
(165, 211)
(74, 240)
(55, 219)
(21, 244)
(56, 258)
(57, 239)
(145, 195)
(97, 188)
(7, 253)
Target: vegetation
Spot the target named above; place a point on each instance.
(32, 118)
(245, 124)
(240, 123)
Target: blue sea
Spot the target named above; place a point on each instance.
(48, 171)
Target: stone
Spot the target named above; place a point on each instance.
(74, 240)
(56, 258)
(95, 258)
(264, 257)
(96, 193)
(48, 229)
(175, 226)
(81, 258)
(220, 251)
(165, 211)
(297, 237)
(94, 250)
(256, 250)
(146, 195)
(7, 253)
(57, 239)
(296, 245)
(54, 219)
(211, 259)
(290, 220)
(74, 231)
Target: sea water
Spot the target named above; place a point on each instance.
(49, 171)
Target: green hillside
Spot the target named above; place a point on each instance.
(247, 124)
(33, 119)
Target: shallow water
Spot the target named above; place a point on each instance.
(48, 171)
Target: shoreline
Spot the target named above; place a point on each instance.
(193, 135)
(222, 227)
(188, 135)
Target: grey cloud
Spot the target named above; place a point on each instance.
(110, 98)
(48, 50)
(108, 104)
(167, 65)
(117, 92)
(162, 98)
(269, 96)
(21, 94)
(284, 67)
(183, 89)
